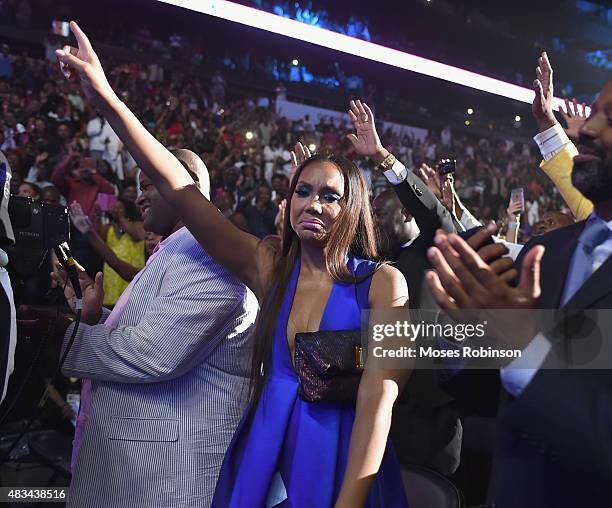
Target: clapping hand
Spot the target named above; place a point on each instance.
(84, 63)
(464, 280)
(92, 289)
(573, 117)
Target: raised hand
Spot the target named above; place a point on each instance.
(299, 154)
(79, 219)
(366, 140)
(542, 103)
(93, 292)
(430, 177)
(84, 63)
(514, 208)
(448, 193)
(573, 117)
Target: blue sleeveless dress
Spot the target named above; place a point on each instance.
(296, 447)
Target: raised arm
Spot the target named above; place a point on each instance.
(241, 253)
(557, 149)
(83, 224)
(60, 174)
(419, 200)
(134, 229)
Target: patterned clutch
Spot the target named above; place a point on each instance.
(329, 364)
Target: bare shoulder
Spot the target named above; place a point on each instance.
(388, 289)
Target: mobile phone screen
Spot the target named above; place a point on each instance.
(60, 28)
(518, 195)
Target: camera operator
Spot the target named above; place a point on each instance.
(8, 324)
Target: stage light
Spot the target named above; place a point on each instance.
(295, 62)
(470, 111)
(312, 147)
(467, 123)
(249, 135)
(517, 118)
(290, 28)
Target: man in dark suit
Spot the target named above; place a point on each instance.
(425, 430)
(412, 234)
(402, 241)
(555, 431)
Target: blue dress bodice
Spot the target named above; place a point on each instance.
(302, 445)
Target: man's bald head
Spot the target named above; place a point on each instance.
(551, 221)
(196, 168)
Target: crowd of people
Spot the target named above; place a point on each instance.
(201, 208)
(245, 143)
(326, 82)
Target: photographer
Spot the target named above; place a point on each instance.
(442, 185)
(78, 180)
(8, 324)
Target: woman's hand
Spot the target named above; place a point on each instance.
(84, 63)
(514, 209)
(79, 219)
(299, 155)
(366, 141)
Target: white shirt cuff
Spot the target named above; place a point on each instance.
(520, 371)
(397, 173)
(551, 141)
(468, 221)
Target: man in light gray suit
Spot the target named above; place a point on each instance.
(165, 374)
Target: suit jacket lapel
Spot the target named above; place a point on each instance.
(594, 288)
(556, 265)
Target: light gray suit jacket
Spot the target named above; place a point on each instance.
(169, 384)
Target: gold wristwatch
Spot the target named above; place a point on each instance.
(387, 163)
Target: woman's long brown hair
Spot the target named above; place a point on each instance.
(352, 233)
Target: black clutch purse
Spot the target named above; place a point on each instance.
(329, 364)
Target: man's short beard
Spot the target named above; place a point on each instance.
(593, 179)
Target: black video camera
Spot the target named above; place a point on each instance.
(38, 226)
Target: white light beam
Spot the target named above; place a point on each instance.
(290, 28)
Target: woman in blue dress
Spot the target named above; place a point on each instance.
(288, 452)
